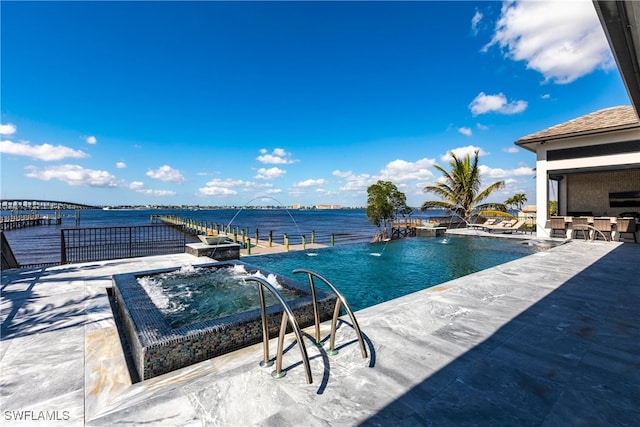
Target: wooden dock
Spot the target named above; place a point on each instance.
(417, 227)
(255, 244)
(405, 227)
(13, 222)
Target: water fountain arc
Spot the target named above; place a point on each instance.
(228, 227)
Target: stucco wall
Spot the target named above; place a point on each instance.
(589, 192)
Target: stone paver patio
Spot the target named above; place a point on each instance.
(548, 340)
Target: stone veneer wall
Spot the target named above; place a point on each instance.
(157, 349)
(589, 192)
(221, 252)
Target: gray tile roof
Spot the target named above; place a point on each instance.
(613, 118)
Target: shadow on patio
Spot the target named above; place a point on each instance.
(573, 358)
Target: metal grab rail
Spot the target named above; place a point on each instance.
(336, 313)
(287, 315)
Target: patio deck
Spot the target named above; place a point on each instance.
(550, 339)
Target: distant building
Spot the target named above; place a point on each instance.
(528, 214)
(328, 207)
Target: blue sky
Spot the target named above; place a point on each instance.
(217, 103)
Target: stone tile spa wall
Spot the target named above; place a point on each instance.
(156, 348)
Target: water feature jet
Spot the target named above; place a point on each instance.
(383, 248)
(228, 227)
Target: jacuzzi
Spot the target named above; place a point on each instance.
(159, 344)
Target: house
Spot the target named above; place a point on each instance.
(592, 163)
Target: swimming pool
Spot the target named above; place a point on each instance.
(371, 273)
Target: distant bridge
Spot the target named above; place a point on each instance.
(14, 216)
(43, 205)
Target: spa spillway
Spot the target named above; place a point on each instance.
(173, 318)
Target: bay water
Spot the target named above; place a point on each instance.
(41, 244)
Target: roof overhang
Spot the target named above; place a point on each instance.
(594, 169)
(531, 143)
(621, 23)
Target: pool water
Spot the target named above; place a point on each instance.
(371, 273)
(193, 295)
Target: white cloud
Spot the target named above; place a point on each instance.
(91, 140)
(563, 40)
(311, 183)
(159, 193)
(484, 103)
(73, 175)
(223, 187)
(353, 182)
(406, 175)
(205, 173)
(545, 96)
(475, 21)
(461, 152)
(511, 150)
(499, 173)
(138, 187)
(326, 193)
(121, 165)
(277, 157)
(216, 191)
(465, 131)
(270, 173)
(400, 171)
(482, 127)
(167, 174)
(342, 174)
(8, 129)
(46, 152)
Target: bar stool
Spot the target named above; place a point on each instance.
(602, 226)
(580, 224)
(626, 226)
(558, 224)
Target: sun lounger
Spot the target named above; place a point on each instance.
(482, 225)
(506, 226)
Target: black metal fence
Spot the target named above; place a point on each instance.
(104, 243)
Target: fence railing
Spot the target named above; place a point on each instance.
(104, 243)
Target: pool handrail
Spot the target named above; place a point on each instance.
(341, 300)
(287, 315)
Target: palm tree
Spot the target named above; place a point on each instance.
(460, 191)
(517, 200)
